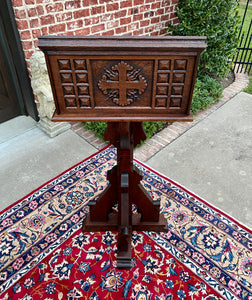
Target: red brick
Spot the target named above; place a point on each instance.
(57, 28)
(121, 30)
(64, 16)
(144, 8)
(138, 32)
(173, 16)
(110, 32)
(137, 17)
(75, 24)
(144, 23)
(138, 2)
(40, 10)
(32, 12)
(97, 28)
(124, 21)
(27, 45)
(81, 13)
(73, 4)
(92, 2)
(29, 2)
(94, 20)
(155, 5)
(120, 13)
(22, 24)
(104, 1)
(25, 35)
(83, 31)
(36, 33)
(16, 3)
(112, 6)
(127, 3)
(87, 22)
(155, 20)
(133, 26)
(20, 14)
(28, 54)
(106, 17)
(133, 11)
(34, 23)
(54, 7)
(44, 30)
(112, 24)
(48, 19)
(97, 10)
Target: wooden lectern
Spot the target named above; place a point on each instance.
(124, 81)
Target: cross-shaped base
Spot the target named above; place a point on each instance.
(124, 189)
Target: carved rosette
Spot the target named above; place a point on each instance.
(122, 83)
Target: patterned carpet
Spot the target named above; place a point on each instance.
(44, 255)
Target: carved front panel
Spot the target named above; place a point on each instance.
(74, 83)
(123, 84)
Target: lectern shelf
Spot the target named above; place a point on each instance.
(124, 81)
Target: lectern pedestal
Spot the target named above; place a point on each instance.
(124, 189)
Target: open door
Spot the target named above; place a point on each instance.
(16, 96)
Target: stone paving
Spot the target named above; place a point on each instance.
(171, 132)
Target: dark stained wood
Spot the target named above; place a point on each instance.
(124, 81)
(122, 78)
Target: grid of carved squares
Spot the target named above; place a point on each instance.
(170, 83)
(74, 81)
(169, 90)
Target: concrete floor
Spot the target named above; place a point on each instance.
(30, 158)
(213, 159)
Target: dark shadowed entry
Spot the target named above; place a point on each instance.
(16, 97)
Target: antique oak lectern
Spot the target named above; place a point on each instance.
(124, 81)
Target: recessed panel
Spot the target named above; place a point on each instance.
(180, 64)
(178, 78)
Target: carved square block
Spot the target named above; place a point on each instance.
(81, 78)
(84, 101)
(177, 90)
(64, 64)
(178, 78)
(175, 102)
(161, 102)
(68, 90)
(162, 90)
(83, 90)
(66, 78)
(80, 64)
(70, 102)
(180, 64)
(164, 64)
(163, 78)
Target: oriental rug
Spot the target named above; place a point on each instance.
(44, 255)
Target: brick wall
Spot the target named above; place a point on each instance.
(90, 17)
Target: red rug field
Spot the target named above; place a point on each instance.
(44, 255)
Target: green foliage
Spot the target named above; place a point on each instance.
(99, 128)
(218, 20)
(206, 92)
(248, 89)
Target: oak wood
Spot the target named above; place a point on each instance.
(124, 81)
(122, 78)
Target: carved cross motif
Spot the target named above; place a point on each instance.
(122, 83)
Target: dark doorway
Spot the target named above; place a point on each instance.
(9, 107)
(16, 96)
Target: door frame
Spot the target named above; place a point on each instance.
(13, 51)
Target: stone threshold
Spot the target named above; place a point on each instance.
(171, 132)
